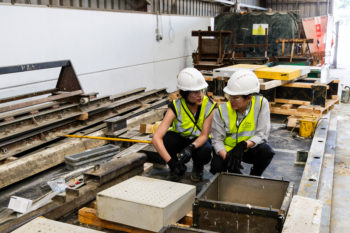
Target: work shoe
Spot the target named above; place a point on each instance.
(197, 173)
(174, 176)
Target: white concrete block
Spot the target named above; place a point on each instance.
(227, 71)
(304, 216)
(145, 202)
(50, 226)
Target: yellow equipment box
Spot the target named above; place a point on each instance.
(307, 126)
(277, 73)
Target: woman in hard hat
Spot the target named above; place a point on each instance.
(189, 119)
(241, 127)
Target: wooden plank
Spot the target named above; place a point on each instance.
(294, 40)
(271, 84)
(88, 216)
(39, 101)
(304, 109)
(173, 96)
(295, 112)
(297, 102)
(301, 85)
(286, 106)
(293, 122)
(309, 110)
(334, 97)
(187, 220)
(149, 128)
(83, 116)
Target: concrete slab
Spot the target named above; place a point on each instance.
(340, 214)
(145, 203)
(50, 226)
(301, 219)
(229, 70)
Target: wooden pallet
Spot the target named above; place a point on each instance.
(88, 216)
(293, 108)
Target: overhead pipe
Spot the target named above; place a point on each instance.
(226, 2)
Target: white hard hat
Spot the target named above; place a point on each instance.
(190, 79)
(242, 82)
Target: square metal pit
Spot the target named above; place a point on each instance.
(239, 203)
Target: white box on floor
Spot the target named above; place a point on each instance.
(20, 204)
(50, 226)
(145, 202)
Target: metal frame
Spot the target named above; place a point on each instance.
(67, 82)
(280, 214)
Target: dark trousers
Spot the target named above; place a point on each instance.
(260, 156)
(175, 143)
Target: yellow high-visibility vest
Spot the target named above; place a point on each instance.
(183, 124)
(246, 129)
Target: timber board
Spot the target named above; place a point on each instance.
(88, 216)
(302, 110)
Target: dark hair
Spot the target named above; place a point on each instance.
(184, 94)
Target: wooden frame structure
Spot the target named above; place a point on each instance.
(250, 60)
(210, 53)
(304, 54)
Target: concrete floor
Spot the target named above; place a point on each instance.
(340, 214)
(281, 167)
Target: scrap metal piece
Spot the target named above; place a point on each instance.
(91, 157)
(115, 167)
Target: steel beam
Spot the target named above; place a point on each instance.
(310, 180)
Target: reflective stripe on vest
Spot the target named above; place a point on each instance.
(246, 128)
(183, 124)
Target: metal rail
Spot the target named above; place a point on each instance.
(41, 136)
(109, 139)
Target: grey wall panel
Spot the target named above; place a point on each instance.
(304, 9)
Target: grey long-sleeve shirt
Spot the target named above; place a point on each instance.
(261, 133)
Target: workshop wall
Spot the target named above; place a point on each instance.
(110, 51)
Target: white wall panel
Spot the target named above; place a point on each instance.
(110, 51)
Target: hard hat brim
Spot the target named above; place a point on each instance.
(229, 92)
(204, 85)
